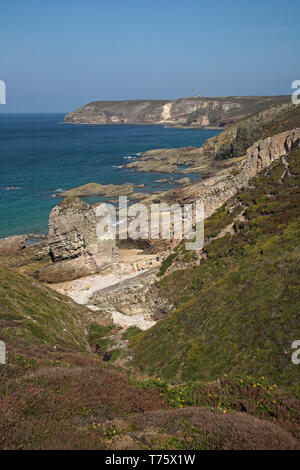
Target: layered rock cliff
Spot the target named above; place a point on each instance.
(238, 309)
(231, 143)
(217, 189)
(77, 251)
(191, 112)
(75, 248)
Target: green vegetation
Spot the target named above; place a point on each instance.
(180, 255)
(215, 374)
(60, 396)
(52, 387)
(147, 111)
(259, 396)
(116, 354)
(98, 335)
(221, 219)
(65, 401)
(36, 314)
(258, 126)
(130, 332)
(166, 264)
(238, 312)
(285, 121)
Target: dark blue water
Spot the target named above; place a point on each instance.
(40, 156)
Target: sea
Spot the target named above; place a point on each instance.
(40, 157)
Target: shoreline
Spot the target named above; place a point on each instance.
(111, 288)
(159, 124)
(153, 190)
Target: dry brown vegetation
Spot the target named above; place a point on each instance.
(235, 314)
(72, 401)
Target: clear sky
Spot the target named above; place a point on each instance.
(57, 55)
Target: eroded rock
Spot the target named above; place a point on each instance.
(96, 189)
(135, 297)
(138, 196)
(216, 190)
(183, 181)
(186, 112)
(75, 248)
(12, 244)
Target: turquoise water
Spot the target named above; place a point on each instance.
(40, 156)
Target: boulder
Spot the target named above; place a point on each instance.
(13, 244)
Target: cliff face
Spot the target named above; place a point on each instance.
(220, 150)
(216, 190)
(191, 112)
(238, 309)
(74, 246)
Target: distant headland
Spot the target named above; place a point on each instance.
(197, 112)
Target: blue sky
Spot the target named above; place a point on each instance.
(57, 55)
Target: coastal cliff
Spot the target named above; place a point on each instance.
(221, 149)
(74, 246)
(183, 112)
(221, 186)
(218, 324)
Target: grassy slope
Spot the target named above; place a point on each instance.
(66, 398)
(238, 312)
(52, 388)
(285, 121)
(235, 140)
(36, 314)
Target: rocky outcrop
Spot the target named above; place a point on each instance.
(170, 160)
(191, 112)
(227, 177)
(11, 245)
(75, 248)
(263, 152)
(96, 189)
(133, 297)
(233, 142)
(183, 181)
(138, 196)
(76, 251)
(216, 190)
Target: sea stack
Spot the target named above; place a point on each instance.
(75, 248)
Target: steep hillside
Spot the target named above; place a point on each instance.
(231, 143)
(238, 311)
(191, 112)
(214, 374)
(56, 394)
(235, 140)
(35, 315)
